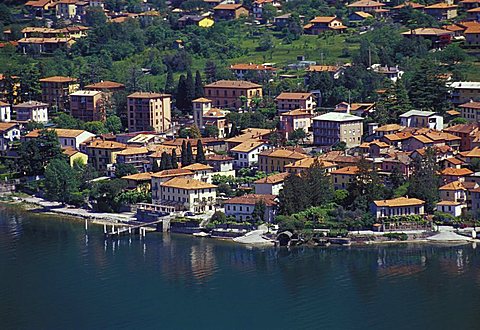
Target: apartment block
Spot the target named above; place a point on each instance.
(229, 93)
(87, 105)
(149, 112)
(55, 91)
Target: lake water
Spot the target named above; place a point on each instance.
(55, 277)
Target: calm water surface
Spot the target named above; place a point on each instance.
(54, 277)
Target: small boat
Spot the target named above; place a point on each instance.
(201, 234)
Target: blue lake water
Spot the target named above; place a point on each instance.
(53, 276)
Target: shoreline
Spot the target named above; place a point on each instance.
(37, 205)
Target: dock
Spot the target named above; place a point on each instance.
(136, 228)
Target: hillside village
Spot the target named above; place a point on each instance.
(381, 134)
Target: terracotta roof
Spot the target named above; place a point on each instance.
(308, 162)
(283, 153)
(363, 14)
(228, 6)
(58, 79)
(453, 112)
(471, 105)
(147, 176)
(133, 151)
(365, 3)
(202, 100)
(388, 128)
(398, 202)
(462, 128)
(172, 173)
(413, 5)
(214, 112)
(61, 132)
(187, 184)
(348, 170)
(257, 131)
(456, 172)
(69, 151)
(454, 161)
(273, 179)
(197, 167)
(322, 68)
(252, 199)
(398, 136)
(253, 67)
(449, 203)
(375, 142)
(30, 104)
(473, 29)
(474, 10)
(455, 185)
(247, 146)
(428, 32)
(232, 84)
(100, 144)
(323, 19)
(216, 157)
(453, 27)
(7, 126)
(293, 96)
(3, 104)
(105, 85)
(297, 112)
(474, 153)
(441, 5)
(147, 95)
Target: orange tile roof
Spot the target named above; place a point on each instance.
(232, 84)
(322, 68)
(251, 66)
(228, 6)
(6, 126)
(283, 153)
(133, 151)
(147, 176)
(273, 179)
(58, 79)
(293, 96)
(297, 112)
(449, 171)
(474, 153)
(61, 132)
(448, 203)
(365, 3)
(247, 146)
(308, 162)
(147, 95)
(252, 199)
(172, 173)
(413, 5)
(427, 32)
(471, 105)
(399, 202)
(197, 167)
(187, 184)
(202, 100)
(441, 5)
(100, 144)
(347, 170)
(398, 136)
(452, 186)
(105, 85)
(216, 157)
(389, 127)
(323, 19)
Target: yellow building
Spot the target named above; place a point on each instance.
(102, 153)
(275, 160)
(343, 176)
(75, 156)
(304, 164)
(200, 21)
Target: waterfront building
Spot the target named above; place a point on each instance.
(139, 181)
(243, 207)
(187, 194)
(401, 206)
(163, 176)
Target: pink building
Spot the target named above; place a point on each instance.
(292, 120)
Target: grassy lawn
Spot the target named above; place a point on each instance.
(314, 48)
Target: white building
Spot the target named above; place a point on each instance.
(390, 72)
(451, 207)
(419, 119)
(163, 176)
(246, 153)
(71, 138)
(401, 206)
(188, 194)
(270, 185)
(201, 172)
(5, 112)
(32, 111)
(242, 207)
(9, 133)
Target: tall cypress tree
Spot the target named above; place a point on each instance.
(164, 161)
(184, 154)
(200, 157)
(174, 159)
(198, 85)
(190, 83)
(189, 153)
(181, 97)
(169, 83)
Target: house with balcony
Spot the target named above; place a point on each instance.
(242, 207)
(401, 206)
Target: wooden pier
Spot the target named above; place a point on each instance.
(135, 227)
